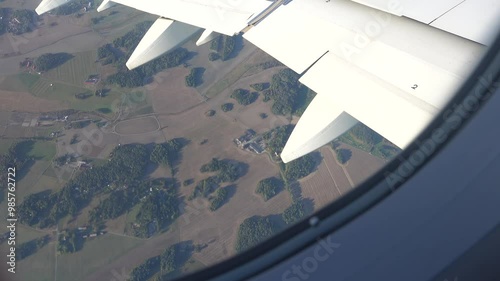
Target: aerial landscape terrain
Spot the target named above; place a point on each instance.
(159, 171)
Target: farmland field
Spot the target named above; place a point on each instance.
(76, 70)
(97, 253)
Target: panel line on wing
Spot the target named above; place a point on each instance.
(446, 12)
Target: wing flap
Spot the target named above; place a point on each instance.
(106, 4)
(47, 5)
(163, 36)
(391, 112)
(323, 121)
(228, 18)
(206, 36)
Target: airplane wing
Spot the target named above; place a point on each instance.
(391, 64)
(179, 20)
(385, 63)
(226, 17)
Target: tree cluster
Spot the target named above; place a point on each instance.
(62, 160)
(20, 21)
(97, 20)
(127, 165)
(252, 231)
(300, 167)
(169, 261)
(212, 56)
(218, 200)
(227, 171)
(294, 213)
(72, 7)
(49, 61)
(343, 155)
(3, 20)
(146, 270)
(272, 62)
(288, 94)
(29, 248)
(276, 138)
(70, 242)
(137, 77)
(365, 135)
(260, 86)
(132, 38)
(210, 113)
(204, 187)
(107, 54)
(121, 201)
(194, 78)
(35, 207)
(167, 153)
(227, 107)
(159, 210)
(82, 96)
(223, 46)
(269, 187)
(362, 137)
(80, 124)
(244, 97)
(17, 156)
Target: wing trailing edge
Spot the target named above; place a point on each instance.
(322, 122)
(206, 36)
(106, 4)
(47, 5)
(163, 36)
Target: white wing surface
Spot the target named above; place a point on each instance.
(391, 64)
(387, 70)
(176, 16)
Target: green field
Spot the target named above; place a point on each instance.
(43, 150)
(192, 265)
(43, 131)
(65, 81)
(5, 145)
(21, 82)
(60, 175)
(121, 22)
(148, 109)
(382, 150)
(131, 219)
(234, 75)
(47, 182)
(25, 233)
(39, 267)
(39, 150)
(95, 254)
(29, 183)
(76, 70)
